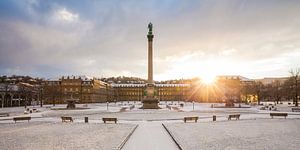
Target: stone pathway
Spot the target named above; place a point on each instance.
(150, 136)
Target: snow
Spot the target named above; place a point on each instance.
(98, 110)
(243, 134)
(63, 135)
(150, 136)
(254, 126)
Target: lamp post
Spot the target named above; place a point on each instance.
(107, 105)
(193, 105)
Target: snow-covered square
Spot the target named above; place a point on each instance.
(68, 136)
(275, 134)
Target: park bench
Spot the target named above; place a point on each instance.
(279, 114)
(237, 116)
(109, 119)
(190, 118)
(21, 118)
(65, 119)
(295, 109)
(4, 114)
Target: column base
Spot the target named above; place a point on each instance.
(150, 104)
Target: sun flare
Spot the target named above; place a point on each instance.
(208, 78)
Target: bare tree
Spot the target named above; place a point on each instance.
(257, 87)
(295, 80)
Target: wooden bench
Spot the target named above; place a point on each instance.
(190, 118)
(65, 119)
(4, 114)
(109, 119)
(237, 116)
(21, 118)
(295, 109)
(279, 114)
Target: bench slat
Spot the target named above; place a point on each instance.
(190, 118)
(109, 119)
(237, 116)
(21, 118)
(279, 114)
(64, 119)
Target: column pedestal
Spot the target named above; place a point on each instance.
(150, 101)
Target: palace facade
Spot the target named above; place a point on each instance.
(83, 89)
(164, 92)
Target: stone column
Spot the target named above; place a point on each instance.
(150, 55)
(11, 99)
(150, 101)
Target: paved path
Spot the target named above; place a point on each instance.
(150, 136)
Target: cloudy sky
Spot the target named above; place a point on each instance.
(194, 38)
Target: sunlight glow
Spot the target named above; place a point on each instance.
(208, 78)
(205, 67)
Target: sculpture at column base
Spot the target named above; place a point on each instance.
(150, 104)
(150, 101)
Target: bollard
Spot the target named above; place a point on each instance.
(214, 117)
(86, 119)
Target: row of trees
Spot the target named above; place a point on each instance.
(276, 91)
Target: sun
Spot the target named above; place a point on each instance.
(208, 79)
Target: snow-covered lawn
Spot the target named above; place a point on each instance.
(45, 136)
(275, 134)
(98, 110)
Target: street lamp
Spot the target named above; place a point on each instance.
(107, 105)
(193, 106)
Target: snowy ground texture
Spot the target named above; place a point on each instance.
(254, 130)
(73, 136)
(275, 134)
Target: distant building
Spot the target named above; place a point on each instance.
(20, 94)
(19, 91)
(24, 90)
(266, 81)
(164, 92)
(84, 89)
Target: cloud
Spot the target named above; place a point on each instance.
(108, 38)
(64, 15)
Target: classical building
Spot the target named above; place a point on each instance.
(19, 91)
(164, 92)
(266, 81)
(84, 89)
